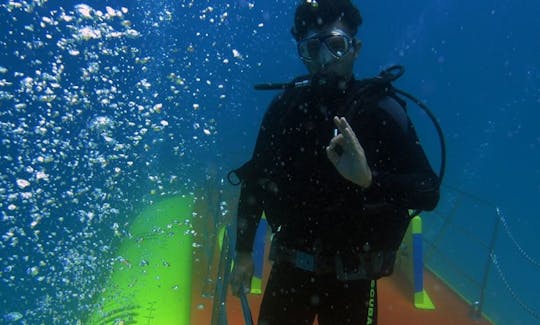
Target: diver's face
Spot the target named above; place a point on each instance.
(330, 50)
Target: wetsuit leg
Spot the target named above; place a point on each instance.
(352, 302)
(288, 297)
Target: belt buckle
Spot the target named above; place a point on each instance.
(304, 261)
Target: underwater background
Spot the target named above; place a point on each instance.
(106, 107)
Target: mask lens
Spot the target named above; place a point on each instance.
(337, 44)
(309, 48)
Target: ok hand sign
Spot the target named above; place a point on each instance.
(351, 163)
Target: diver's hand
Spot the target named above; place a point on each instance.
(241, 273)
(352, 163)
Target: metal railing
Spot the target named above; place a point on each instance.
(219, 310)
(436, 249)
(226, 258)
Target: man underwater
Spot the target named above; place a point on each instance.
(336, 167)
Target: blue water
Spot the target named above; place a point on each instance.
(103, 113)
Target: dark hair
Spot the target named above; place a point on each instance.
(318, 13)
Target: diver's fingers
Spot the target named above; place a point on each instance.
(335, 148)
(240, 281)
(345, 129)
(341, 123)
(345, 122)
(337, 140)
(245, 289)
(351, 140)
(332, 155)
(244, 285)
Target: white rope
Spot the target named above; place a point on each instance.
(520, 302)
(513, 239)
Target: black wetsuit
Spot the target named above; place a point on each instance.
(313, 209)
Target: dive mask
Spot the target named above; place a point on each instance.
(337, 42)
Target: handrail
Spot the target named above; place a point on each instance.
(226, 258)
(248, 319)
(219, 310)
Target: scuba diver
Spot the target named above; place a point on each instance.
(336, 167)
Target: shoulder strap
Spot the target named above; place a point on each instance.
(364, 94)
(376, 92)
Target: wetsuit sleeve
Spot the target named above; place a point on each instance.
(251, 201)
(411, 183)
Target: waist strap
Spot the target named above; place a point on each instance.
(363, 266)
(308, 262)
